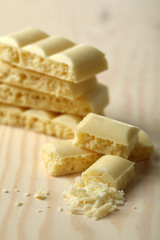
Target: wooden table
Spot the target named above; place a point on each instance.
(129, 33)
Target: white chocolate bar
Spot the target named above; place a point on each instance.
(113, 170)
(143, 149)
(92, 101)
(105, 135)
(58, 125)
(54, 56)
(31, 80)
(62, 157)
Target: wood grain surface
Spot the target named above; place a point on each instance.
(128, 31)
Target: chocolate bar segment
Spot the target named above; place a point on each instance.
(11, 44)
(105, 135)
(143, 149)
(62, 157)
(111, 170)
(49, 46)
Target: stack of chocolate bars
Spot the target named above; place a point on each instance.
(48, 84)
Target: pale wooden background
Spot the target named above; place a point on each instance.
(129, 32)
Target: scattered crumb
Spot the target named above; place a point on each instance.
(18, 204)
(41, 194)
(60, 209)
(134, 207)
(39, 210)
(17, 190)
(4, 190)
(93, 199)
(48, 206)
(27, 194)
